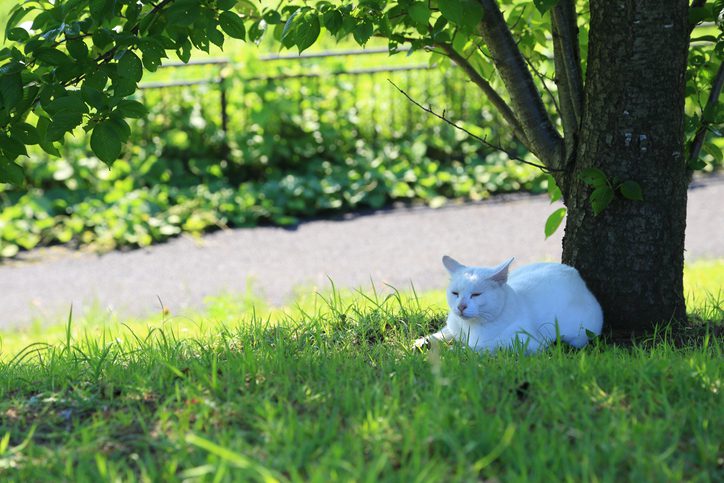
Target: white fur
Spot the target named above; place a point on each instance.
(535, 304)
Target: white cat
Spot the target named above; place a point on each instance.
(531, 307)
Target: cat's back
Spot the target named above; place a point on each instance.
(556, 292)
(548, 285)
(543, 276)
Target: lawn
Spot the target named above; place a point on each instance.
(331, 390)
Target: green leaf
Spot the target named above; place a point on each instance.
(11, 67)
(77, 49)
(63, 122)
(631, 190)
(93, 97)
(184, 51)
(130, 66)
(16, 15)
(106, 141)
(11, 147)
(554, 221)
(272, 17)
(594, 177)
(307, 30)
(600, 198)
(332, 20)
(30, 93)
(288, 37)
(52, 56)
(225, 4)
(301, 29)
(544, 5)
(45, 141)
(101, 9)
(103, 37)
(466, 13)
(714, 151)
(132, 109)
(247, 7)
(70, 103)
(256, 31)
(554, 192)
(700, 14)
(123, 86)
(232, 24)
(420, 13)
(11, 91)
(363, 32)
(696, 164)
(153, 52)
(215, 36)
(25, 133)
(17, 34)
(96, 80)
(123, 130)
(710, 112)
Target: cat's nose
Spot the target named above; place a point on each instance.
(462, 307)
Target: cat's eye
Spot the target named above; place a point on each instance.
(455, 294)
(474, 294)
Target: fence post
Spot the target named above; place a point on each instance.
(224, 115)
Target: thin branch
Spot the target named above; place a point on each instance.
(522, 12)
(569, 75)
(459, 127)
(543, 80)
(492, 95)
(472, 51)
(700, 135)
(545, 141)
(495, 99)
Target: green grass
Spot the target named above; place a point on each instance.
(332, 391)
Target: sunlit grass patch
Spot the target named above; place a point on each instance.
(703, 282)
(704, 289)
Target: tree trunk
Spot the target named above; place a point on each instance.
(632, 254)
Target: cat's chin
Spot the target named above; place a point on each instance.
(468, 318)
(471, 319)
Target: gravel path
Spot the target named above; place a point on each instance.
(394, 246)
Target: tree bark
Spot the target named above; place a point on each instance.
(632, 254)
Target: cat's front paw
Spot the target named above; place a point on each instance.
(421, 343)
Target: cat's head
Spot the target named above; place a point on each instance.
(476, 292)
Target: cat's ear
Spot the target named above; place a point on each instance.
(451, 264)
(501, 271)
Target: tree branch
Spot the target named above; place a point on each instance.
(700, 135)
(494, 98)
(545, 141)
(569, 76)
(542, 78)
(459, 127)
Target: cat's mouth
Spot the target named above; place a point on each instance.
(479, 318)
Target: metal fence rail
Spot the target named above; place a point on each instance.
(225, 77)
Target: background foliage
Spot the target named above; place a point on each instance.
(293, 149)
